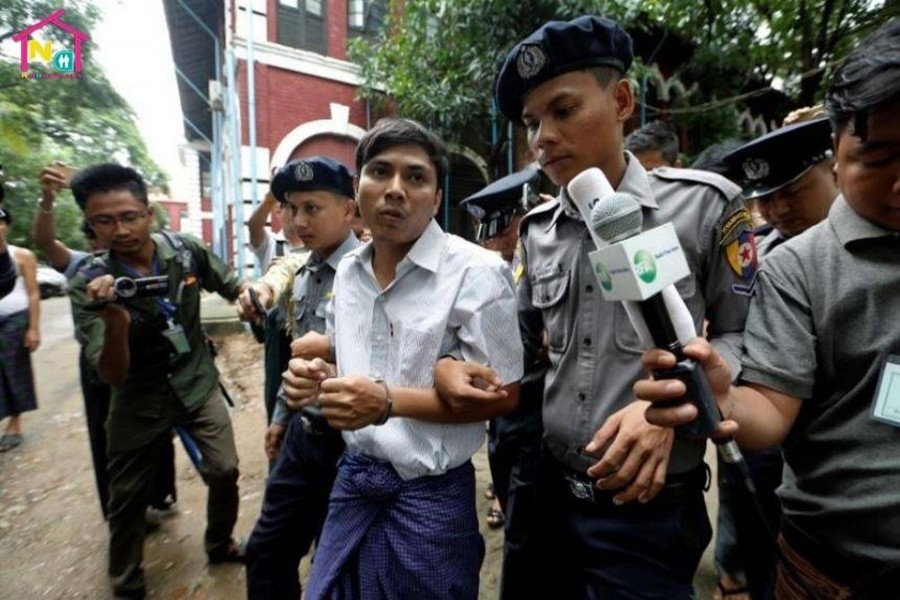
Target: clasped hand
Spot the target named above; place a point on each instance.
(347, 403)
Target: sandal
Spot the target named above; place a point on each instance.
(495, 518)
(9, 441)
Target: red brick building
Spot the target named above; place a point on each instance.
(300, 100)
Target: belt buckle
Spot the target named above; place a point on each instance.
(583, 490)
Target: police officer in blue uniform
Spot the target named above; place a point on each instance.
(317, 194)
(621, 504)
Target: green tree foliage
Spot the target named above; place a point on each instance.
(75, 121)
(795, 41)
(436, 60)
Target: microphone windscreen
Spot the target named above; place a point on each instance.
(588, 187)
(616, 217)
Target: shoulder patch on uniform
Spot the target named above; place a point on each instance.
(739, 243)
(725, 186)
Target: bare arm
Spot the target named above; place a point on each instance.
(257, 222)
(45, 223)
(356, 401)
(759, 417)
(28, 267)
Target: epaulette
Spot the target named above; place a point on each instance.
(540, 209)
(725, 186)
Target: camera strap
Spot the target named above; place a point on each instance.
(185, 258)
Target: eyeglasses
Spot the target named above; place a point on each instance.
(126, 218)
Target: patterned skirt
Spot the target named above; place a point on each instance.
(390, 539)
(16, 378)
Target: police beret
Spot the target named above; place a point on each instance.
(312, 173)
(556, 48)
(780, 157)
(496, 204)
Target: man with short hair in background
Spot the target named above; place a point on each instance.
(654, 145)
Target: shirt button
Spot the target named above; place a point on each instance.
(581, 397)
(587, 341)
(589, 289)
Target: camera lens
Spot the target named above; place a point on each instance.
(125, 287)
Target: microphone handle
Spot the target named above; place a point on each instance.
(657, 317)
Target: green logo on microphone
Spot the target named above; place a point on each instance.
(645, 266)
(603, 276)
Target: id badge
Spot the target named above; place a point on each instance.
(887, 395)
(175, 335)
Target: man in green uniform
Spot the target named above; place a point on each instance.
(151, 350)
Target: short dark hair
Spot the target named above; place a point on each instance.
(606, 75)
(710, 158)
(655, 135)
(868, 78)
(390, 132)
(104, 178)
(87, 230)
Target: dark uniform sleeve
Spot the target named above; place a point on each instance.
(215, 275)
(89, 327)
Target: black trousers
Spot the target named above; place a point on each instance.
(514, 452)
(294, 508)
(600, 550)
(96, 409)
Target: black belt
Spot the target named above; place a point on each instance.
(677, 486)
(873, 578)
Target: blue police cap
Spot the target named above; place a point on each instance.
(555, 49)
(780, 157)
(495, 205)
(310, 174)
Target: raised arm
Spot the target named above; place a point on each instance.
(44, 230)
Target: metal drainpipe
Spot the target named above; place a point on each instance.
(493, 130)
(251, 130)
(218, 204)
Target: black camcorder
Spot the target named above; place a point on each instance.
(141, 287)
(128, 288)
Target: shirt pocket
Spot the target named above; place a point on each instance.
(627, 339)
(548, 294)
(416, 352)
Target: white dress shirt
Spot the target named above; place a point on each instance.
(448, 294)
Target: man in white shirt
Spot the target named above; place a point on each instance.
(402, 518)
